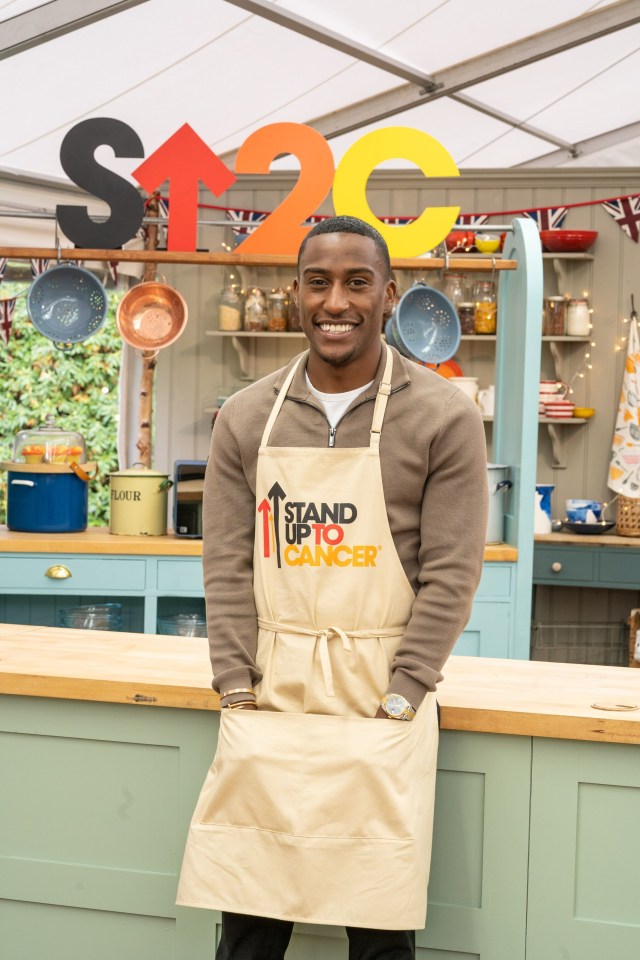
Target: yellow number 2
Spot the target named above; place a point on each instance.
(353, 172)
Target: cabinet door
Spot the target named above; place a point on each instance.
(487, 633)
(478, 884)
(585, 851)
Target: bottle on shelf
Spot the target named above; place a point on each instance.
(554, 317)
(255, 310)
(578, 317)
(278, 311)
(485, 313)
(230, 308)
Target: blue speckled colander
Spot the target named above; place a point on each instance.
(425, 325)
(67, 304)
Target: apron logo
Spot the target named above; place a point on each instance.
(313, 533)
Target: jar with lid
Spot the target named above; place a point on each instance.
(578, 318)
(49, 444)
(255, 310)
(466, 315)
(278, 310)
(230, 308)
(454, 288)
(554, 317)
(485, 306)
(294, 315)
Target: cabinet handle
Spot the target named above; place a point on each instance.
(556, 567)
(58, 572)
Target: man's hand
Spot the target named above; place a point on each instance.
(381, 715)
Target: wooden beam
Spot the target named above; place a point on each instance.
(54, 19)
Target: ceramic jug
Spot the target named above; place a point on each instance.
(468, 384)
(487, 400)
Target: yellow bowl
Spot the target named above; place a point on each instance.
(487, 244)
(584, 413)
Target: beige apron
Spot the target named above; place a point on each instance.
(314, 811)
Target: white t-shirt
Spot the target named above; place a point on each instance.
(335, 404)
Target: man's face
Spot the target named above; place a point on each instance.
(343, 294)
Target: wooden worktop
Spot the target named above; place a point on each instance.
(479, 694)
(98, 540)
(582, 540)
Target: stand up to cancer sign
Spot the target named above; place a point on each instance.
(185, 161)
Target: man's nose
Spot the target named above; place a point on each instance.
(336, 300)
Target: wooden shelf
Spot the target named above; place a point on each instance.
(253, 333)
(233, 259)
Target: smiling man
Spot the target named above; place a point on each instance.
(344, 527)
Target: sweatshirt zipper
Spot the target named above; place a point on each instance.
(332, 436)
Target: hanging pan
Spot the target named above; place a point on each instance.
(424, 326)
(67, 304)
(151, 316)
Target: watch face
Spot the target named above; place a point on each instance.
(395, 705)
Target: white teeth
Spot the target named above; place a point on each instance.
(336, 327)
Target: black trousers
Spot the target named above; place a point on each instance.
(260, 938)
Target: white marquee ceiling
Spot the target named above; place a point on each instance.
(228, 71)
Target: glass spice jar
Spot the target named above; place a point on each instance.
(485, 307)
(278, 310)
(578, 318)
(230, 309)
(255, 310)
(466, 315)
(294, 315)
(453, 287)
(554, 317)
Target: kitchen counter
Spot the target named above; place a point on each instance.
(105, 740)
(579, 539)
(98, 540)
(482, 695)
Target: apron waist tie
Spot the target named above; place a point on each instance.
(323, 637)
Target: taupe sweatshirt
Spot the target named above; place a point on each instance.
(433, 462)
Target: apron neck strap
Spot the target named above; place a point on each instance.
(384, 389)
(275, 410)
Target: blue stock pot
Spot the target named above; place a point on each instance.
(48, 481)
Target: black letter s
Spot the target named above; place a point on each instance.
(78, 162)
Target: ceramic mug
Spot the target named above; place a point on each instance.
(487, 400)
(468, 385)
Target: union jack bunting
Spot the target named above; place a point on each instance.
(316, 218)
(240, 218)
(38, 266)
(548, 218)
(471, 219)
(396, 221)
(626, 212)
(6, 314)
(3, 267)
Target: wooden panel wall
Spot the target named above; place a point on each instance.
(198, 368)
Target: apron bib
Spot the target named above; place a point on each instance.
(313, 811)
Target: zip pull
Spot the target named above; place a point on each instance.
(332, 436)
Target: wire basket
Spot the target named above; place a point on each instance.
(605, 644)
(628, 517)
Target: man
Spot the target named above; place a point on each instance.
(344, 528)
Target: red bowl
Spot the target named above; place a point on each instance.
(568, 241)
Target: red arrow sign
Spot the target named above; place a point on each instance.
(184, 159)
(265, 510)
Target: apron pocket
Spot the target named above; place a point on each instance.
(308, 775)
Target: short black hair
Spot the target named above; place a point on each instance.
(349, 225)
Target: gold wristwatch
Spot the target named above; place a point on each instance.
(397, 707)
